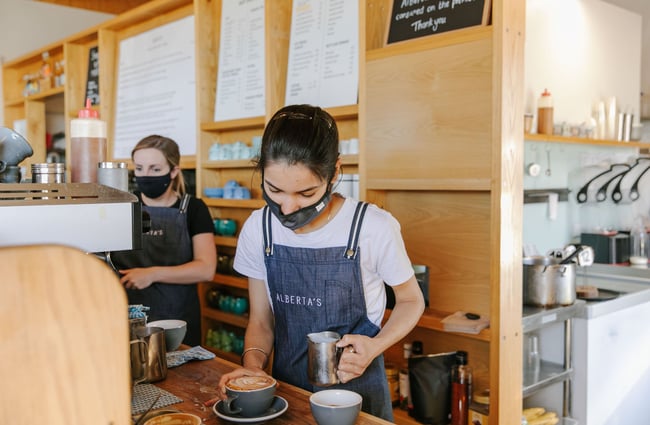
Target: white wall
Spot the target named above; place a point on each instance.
(29, 25)
(583, 51)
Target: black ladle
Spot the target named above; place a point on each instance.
(601, 194)
(634, 190)
(582, 193)
(617, 195)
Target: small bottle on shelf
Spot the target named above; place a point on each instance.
(461, 389)
(46, 72)
(545, 113)
(404, 385)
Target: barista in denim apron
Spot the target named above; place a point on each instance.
(168, 243)
(314, 290)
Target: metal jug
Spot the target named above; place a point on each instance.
(323, 358)
(148, 355)
(13, 148)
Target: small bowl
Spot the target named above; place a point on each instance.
(213, 192)
(335, 407)
(174, 419)
(225, 226)
(175, 331)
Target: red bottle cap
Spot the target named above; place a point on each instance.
(88, 112)
(546, 93)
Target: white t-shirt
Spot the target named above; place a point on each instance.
(382, 253)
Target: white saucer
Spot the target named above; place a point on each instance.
(278, 407)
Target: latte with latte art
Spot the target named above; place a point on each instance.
(250, 383)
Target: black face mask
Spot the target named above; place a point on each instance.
(153, 186)
(303, 216)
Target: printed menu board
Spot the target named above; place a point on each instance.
(156, 88)
(323, 64)
(240, 76)
(92, 80)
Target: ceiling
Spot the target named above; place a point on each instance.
(642, 7)
(114, 7)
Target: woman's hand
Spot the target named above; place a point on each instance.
(358, 353)
(242, 371)
(137, 278)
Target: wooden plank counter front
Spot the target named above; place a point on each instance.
(195, 382)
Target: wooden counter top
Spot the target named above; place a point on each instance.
(195, 382)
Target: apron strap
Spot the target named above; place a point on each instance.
(355, 229)
(185, 201)
(266, 229)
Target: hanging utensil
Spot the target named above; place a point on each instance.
(634, 190)
(601, 194)
(548, 160)
(582, 193)
(617, 194)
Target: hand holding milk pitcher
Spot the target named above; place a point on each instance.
(323, 358)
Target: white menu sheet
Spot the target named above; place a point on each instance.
(156, 88)
(323, 53)
(240, 76)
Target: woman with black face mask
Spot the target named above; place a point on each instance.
(178, 251)
(317, 261)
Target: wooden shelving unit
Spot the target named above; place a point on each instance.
(438, 143)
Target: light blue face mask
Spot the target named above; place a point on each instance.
(301, 217)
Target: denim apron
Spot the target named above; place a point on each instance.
(320, 289)
(168, 243)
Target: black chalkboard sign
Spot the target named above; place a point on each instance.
(92, 81)
(419, 18)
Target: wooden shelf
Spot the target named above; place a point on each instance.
(444, 184)
(228, 280)
(402, 417)
(552, 138)
(230, 241)
(231, 163)
(234, 203)
(223, 317)
(239, 124)
(431, 320)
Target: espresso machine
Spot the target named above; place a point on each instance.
(91, 217)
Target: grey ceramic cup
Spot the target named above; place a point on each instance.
(251, 402)
(335, 407)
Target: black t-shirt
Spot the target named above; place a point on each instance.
(198, 215)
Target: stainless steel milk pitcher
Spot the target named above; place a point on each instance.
(323, 358)
(148, 355)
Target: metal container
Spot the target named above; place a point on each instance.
(48, 172)
(548, 283)
(323, 358)
(148, 355)
(113, 174)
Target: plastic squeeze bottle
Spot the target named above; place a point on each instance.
(88, 145)
(545, 113)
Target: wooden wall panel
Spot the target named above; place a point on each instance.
(430, 117)
(450, 233)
